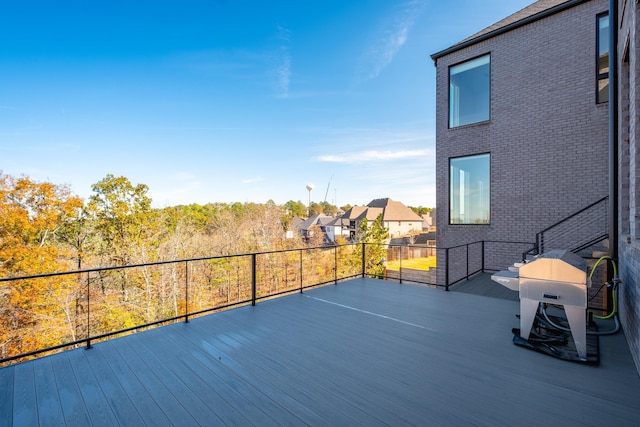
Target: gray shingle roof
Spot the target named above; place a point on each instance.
(319, 220)
(393, 211)
(390, 210)
(532, 9)
(538, 10)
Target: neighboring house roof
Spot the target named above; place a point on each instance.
(354, 213)
(337, 222)
(319, 220)
(296, 222)
(429, 218)
(538, 10)
(393, 211)
(390, 210)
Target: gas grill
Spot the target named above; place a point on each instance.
(554, 277)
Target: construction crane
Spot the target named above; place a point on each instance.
(327, 192)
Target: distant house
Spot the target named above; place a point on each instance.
(294, 228)
(396, 217)
(337, 227)
(315, 224)
(429, 221)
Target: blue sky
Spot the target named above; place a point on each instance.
(230, 100)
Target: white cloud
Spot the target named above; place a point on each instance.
(252, 180)
(182, 189)
(282, 62)
(373, 155)
(388, 42)
(284, 74)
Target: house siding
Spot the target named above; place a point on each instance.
(547, 137)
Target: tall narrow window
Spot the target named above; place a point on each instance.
(469, 92)
(603, 58)
(469, 189)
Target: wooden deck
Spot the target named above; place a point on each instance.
(366, 351)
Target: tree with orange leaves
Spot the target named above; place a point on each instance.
(31, 213)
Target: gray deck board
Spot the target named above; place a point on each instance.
(96, 402)
(73, 407)
(24, 411)
(481, 284)
(49, 406)
(6, 396)
(119, 401)
(151, 375)
(364, 352)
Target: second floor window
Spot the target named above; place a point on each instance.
(469, 91)
(603, 58)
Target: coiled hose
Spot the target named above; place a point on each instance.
(613, 313)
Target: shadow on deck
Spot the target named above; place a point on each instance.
(364, 351)
(481, 284)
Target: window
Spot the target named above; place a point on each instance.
(469, 94)
(602, 58)
(469, 189)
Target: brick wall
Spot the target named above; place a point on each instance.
(547, 136)
(629, 175)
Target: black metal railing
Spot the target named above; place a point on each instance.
(579, 231)
(98, 303)
(112, 301)
(461, 262)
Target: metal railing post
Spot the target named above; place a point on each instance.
(400, 272)
(186, 292)
(253, 279)
(88, 312)
(301, 281)
(467, 246)
(539, 243)
(363, 257)
(446, 269)
(335, 265)
(482, 265)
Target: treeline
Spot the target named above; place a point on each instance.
(44, 228)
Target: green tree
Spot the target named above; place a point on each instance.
(296, 209)
(375, 238)
(420, 210)
(328, 208)
(129, 232)
(123, 217)
(315, 209)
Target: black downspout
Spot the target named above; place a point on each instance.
(613, 128)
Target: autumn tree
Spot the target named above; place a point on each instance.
(315, 209)
(31, 216)
(129, 232)
(124, 218)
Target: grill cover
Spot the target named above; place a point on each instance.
(558, 265)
